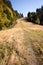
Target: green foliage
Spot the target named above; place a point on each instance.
(8, 3)
(17, 15)
(37, 21)
(32, 17)
(36, 17)
(7, 14)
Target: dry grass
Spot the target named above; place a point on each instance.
(22, 45)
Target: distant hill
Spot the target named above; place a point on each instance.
(7, 14)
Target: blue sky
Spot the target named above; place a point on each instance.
(25, 6)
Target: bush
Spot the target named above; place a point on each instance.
(7, 14)
(37, 21)
(36, 17)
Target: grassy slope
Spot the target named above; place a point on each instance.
(22, 44)
(33, 35)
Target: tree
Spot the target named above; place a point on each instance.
(36, 17)
(8, 3)
(28, 14)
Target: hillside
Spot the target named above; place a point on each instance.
(22, 45)
(7, 15)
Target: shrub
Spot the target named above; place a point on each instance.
(37, 21)
(36, 17)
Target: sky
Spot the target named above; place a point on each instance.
(25, 6)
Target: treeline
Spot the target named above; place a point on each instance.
(17, 15)
(36, 17)
(8, 16)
